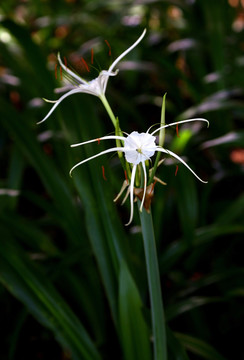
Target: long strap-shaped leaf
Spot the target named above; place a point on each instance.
(56, 187)
(25, 282)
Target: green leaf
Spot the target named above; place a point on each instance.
(199, 347)
(134, 331)
(183, 306)
(32, 288)
(175, 347)
(203, 235)
(155, 292)
(232, 212)
(49, 174)
(187, 202)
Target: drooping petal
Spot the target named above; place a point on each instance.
(116, 61)
(108, 137)
(179, 122)
(145, 185)
(71, 92)
(94, 156)
(166, 151)
(132, 180)
(127, 51)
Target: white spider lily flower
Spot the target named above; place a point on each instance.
(96, 87)
(137, 149)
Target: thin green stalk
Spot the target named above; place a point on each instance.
(109, 110)
(118, 131)
(157, 310)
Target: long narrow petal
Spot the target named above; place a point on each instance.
(49, 101)
(71, 92)
(145, 185)
(94, 156)
(63, 89)
(127, 51)
(98, 139)
(179, 122)
(166, 151)
(71, 73)
(132, 180)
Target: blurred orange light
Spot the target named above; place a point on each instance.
(237, 156)
(233, 3)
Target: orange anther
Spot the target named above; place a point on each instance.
(109, 47)
(98, 140)
(61, 74)
(104, 173)
(176, 170)
(177, 131)
(92, 55)
(65, 61)
(85, 64)
(126, 178)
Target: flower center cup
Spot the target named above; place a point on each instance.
(139, 147)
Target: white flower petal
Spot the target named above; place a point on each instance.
(179, 122)
(71, 92)
(94, 156)
(127, 51)
(166, 151)
(132, 180)
(108, 137)
(145, 185)
(71, 73)
(139, 147)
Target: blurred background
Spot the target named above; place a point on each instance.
(61, 238)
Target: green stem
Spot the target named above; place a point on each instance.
(157, 310)
(109, 110)
(118, 131)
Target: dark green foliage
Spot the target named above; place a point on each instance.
(73, 278)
